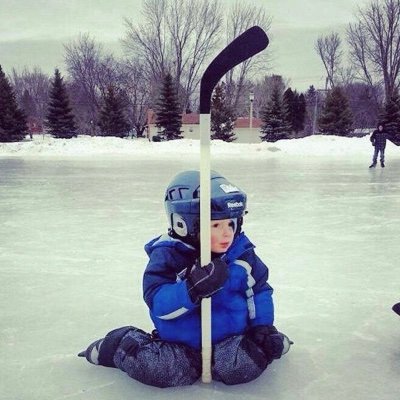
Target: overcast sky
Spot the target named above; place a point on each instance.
(32, 32)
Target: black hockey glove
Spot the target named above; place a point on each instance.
(204, 281)
(268, 339)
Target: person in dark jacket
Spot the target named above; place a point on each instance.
(378, 140)
(244, 338)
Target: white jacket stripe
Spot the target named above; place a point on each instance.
(173, 314)
(249, 292)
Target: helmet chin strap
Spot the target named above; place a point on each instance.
(190, 239)
(239, 226)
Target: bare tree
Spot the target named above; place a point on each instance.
(241, 17)
(328, 48)
(357, 39)
(109, 73)
(177, 37)
(363, 104)
(91, 72)
(146, 41)
(82, 59)
(375, 44)
(37, 84)
(135, 87)
(263, 89)
(346, 75)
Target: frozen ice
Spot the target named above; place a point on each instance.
(75, 215)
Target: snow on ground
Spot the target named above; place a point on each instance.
(317, 145)
(75, 215)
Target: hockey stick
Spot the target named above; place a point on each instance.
(242, 48)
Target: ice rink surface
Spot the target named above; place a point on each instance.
(72, 232)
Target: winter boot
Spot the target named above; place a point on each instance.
(280, 344)
(373, 165)
(286, 343)
(92, 352)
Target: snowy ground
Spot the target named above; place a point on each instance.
(141, 148)
(74, 216)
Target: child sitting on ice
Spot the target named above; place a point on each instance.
(243, 336)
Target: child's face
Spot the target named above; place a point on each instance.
(222, 232)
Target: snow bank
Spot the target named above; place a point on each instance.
(142, 148)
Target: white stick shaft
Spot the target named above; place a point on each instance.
(205, 240)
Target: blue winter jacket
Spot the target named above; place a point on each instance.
(245, 299)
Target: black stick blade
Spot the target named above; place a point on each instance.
(396, 308)
(243, 47)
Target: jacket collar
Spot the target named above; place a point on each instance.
(240, 245)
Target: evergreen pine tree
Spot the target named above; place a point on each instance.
(289, 100)
(112, 119)
(274, 115)
(296, 105)
(167, 110)
(310, 113)
(336, 117)
(311, 94)
(222, 117)
(300, 114)
(391, 117)
(13, 126)
(59, 120)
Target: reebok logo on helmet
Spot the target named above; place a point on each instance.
(234, 204)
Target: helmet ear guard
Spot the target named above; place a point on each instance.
(178, 225)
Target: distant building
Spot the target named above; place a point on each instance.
(191, 127)
(244, 133)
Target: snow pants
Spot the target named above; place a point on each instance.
(156, 362)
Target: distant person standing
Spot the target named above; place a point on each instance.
(378, 140)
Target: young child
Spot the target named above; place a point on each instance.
(243, 336)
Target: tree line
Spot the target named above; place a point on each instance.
(167, 51)
(369, 74)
